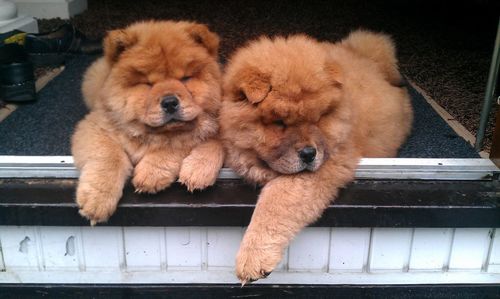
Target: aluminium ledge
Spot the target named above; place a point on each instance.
(369, 168)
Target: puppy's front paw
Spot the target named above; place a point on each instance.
(197, 174)
(95, 205)
(255, 261)
(150, 179)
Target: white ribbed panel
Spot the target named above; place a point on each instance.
(430, 248)
(349, 249)
(143, 248)
(223, 244)
(207, 255)
(390, 249)
(101, 247)
(494, 258)
(309, 251)
(2, 264)
(184, 248)
(19, 248)
(59, 247)
(283, 264)
(469, 249)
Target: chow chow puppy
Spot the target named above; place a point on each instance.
(154, 99)
(297, 116)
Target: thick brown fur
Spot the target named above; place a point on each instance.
(284, 94)
(128, 133)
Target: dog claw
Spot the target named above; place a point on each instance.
(247, 281)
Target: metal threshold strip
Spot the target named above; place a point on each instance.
(369, 168)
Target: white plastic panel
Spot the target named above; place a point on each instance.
(19, 247)
(2, 264)
(494, 258)
(283, 264)
(223, 244)
(144, 248)
(184, 247)
(469, 249)
(207, 255)
(349, 249)
(390, 249)
(59, 246)
(430, 248)
(310, 250)
(103, 248)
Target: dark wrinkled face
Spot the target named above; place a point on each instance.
(164, 74)
(280, 102)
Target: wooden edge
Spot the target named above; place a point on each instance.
(39, 84)
(448, 118)
(6, 111)
(495, 147)
(46, 78)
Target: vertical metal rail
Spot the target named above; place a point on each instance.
(490, 90)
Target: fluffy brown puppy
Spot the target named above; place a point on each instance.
(297, 116)
(154, 100)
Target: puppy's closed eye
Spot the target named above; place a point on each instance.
(241, 96)
(137, 77)
(185, 79)
(280, 123)
(146, 82)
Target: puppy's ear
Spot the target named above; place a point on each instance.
(117, 41)
(203, 36)
(334, 71)
(255, 86)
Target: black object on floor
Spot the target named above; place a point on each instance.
(50, 48)
(17, 81)
(45, 127)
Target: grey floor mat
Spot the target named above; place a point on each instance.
(45, 127)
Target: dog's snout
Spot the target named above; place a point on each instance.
(170, 103)
(307, 154)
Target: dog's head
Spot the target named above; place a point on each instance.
(163, 76)
(282, 101)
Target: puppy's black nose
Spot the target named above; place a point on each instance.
(307, 154)
(170, 104)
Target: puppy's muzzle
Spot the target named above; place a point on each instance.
(307, 154)
(170, 104)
